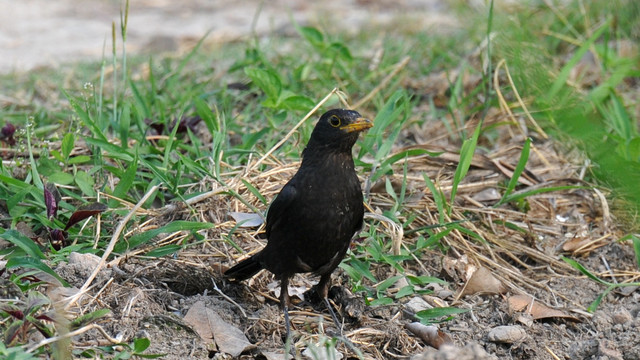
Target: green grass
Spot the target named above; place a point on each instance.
(94, 129)
(546, 52)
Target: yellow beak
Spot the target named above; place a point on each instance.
(358, 125)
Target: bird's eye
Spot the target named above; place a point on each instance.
(334, 121)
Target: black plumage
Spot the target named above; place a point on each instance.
(312, 220)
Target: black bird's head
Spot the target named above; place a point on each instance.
(338, 130)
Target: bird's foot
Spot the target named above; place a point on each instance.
(313, 298)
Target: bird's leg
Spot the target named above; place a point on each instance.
(284, 302)
(323, 291)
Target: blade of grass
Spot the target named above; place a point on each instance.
(466, 155)
(565, 72)
(576, 265)
(523, 194)
(524, 157)
(438, 197)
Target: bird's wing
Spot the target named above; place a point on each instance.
(279, 206)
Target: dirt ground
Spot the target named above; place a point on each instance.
(174, 301)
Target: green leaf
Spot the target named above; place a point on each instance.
(124, 124)
(34, 263)
(68, 141)
(126, 181)
(594, 305)
(583, 270)
(254, 191)
(636, 249)
(85, 183)
(340, 50)
(88, 318)
(80, 159)
(29, 246)
(381, 301)
(164, 250)
(113, 151)
(424, 280)
(433, 315)
(141, 344)
(388, 282)
(405, 291)
(267, 80)
(297, 102)
(466, 155)
(313, 35)
(61, 178)
(438, 197)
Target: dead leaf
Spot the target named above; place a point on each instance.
(482, 281)
(575, 244)
(526, 304)
(246, 219)
(211, 328)
(455, 269)
(430, 334)
(294, 291)
(487, 195)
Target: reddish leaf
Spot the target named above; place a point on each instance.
(51, 199)
(13, 311)
(85, 211)
(6, 134)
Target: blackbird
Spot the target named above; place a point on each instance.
(312, 220)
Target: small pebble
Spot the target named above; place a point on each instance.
(622, 317)
(417, 304)
(506, 334)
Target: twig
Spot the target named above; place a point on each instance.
(396, 230)
(72, 334)
(217, 289)
(109, 249)
(399, 66)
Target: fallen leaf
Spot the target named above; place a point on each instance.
(246, 219)
(575, 244)
(211, 328)
(455, 269)
(430, 334)
(486, 195)
(526, 304)
(482, 281)
(294, 291)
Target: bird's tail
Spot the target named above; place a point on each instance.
(244, 269)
